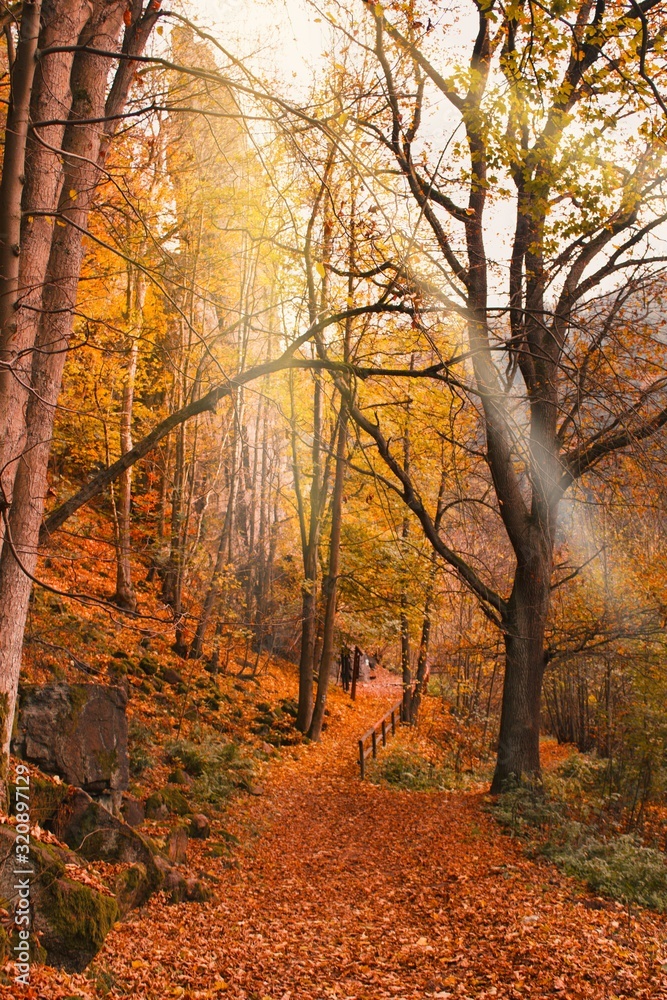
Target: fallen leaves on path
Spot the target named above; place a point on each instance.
(342, 889)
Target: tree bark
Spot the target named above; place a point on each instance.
(422, 657)
(50, 99)
(223, 553)
(519, 739)
(310, 533)
(406, 669)
(13, 176)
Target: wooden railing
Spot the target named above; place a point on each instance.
(383, 728)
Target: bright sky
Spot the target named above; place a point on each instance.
(274, 36)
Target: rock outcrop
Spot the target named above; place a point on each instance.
(79, 732)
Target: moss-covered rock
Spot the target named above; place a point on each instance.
(171, 799)
(133, 888)
(69, 919)
(76, 731)
(148, 664)
(46, 797)
(90, 829)
(74, 921)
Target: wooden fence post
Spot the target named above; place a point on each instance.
(384, 733)
(374, 739)
(362, 759)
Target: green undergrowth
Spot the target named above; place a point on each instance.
(565, 818)
(217, 768)
(404, 768)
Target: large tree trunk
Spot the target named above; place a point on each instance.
(62, 21)
(223, 556)
(519, 740)
(406, 669)
(13, 176)
(310, 539)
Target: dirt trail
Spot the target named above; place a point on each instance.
(347, 890)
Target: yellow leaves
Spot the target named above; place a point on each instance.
(73, 193)
(319, 267)
(378, 9)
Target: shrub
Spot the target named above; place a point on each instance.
(405, 769)
(218, 768)
(560, 819)
(621, 868)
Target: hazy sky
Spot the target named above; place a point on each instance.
(276, 36)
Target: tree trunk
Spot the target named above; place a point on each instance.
(62, 21)
(406, 670)
(308, 625)
(519, 741)
(330, 584)
(221, 558)
(172, 574)
(11, 186)
(422, 658)
(125, 596)
(310, 540)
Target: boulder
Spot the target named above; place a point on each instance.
(92, 831)
(77, 731)
(180, 889)
(149, 665)
(200, 827)
(180, 777)
(46, 797)
(186, 890)
(166, 800)
(132, 810)
(69, 919)
(133, 888)
(171, 676)
(155, 807)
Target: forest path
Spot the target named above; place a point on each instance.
(348, 890)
